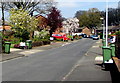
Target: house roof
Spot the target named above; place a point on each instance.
(116, 28)
(6, 23)
(6, 28)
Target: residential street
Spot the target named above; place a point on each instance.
(52, 65)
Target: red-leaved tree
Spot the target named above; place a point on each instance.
(54, 20)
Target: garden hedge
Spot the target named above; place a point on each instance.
(40, 43)
(117, 45)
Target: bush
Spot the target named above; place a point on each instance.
(77, 37)
(37, 43)
(12, 40)
(0, 34)
(16, 45)
(80, 37)
(23, 36)
(40, 43)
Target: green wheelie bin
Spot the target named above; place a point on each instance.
(29, 44)
(7, 47)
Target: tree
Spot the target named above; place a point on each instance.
(84, 20)
(22, 22)
(3, 17)
(94, 17)
(114, 16)
(79, 13)
(54, 20)
(90, 18)
(41, 6)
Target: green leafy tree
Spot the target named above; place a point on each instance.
(22, 22)
(94, 17)
(84, 20)
(90, 18)
(44, 34)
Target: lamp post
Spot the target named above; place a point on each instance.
(106, 23)
(107, 50)
(103, 27)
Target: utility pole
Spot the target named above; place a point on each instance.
(3, 23)
(106, 23)
(3, 19)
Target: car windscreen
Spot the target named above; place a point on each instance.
(58, 35)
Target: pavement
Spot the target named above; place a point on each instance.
(16, 53)
(90, 67)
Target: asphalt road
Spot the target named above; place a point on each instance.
(50, 65)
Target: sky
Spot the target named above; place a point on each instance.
(68, 8)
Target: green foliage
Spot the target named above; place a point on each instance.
(76, 37)
(43, 35)
(90, 18)
(22, 22)
(70, 36)
(0, 34)
(24, 36)
(13, 40)
(117, 33)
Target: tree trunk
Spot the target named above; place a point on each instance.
(31, 35)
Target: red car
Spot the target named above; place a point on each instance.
(59, 36)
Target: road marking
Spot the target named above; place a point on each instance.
(95, 46)
(86, 54)
(73, 68)
(66, 44)
(98, 42)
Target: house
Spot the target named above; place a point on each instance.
(58, 30)
(116, 28)
(87, 31)
(6, 28)
(111, 29)
(43, 22)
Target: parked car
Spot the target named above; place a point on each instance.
(59, 36)
(79, 34)
(95, 37)
(112, 39)
(84, 35)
